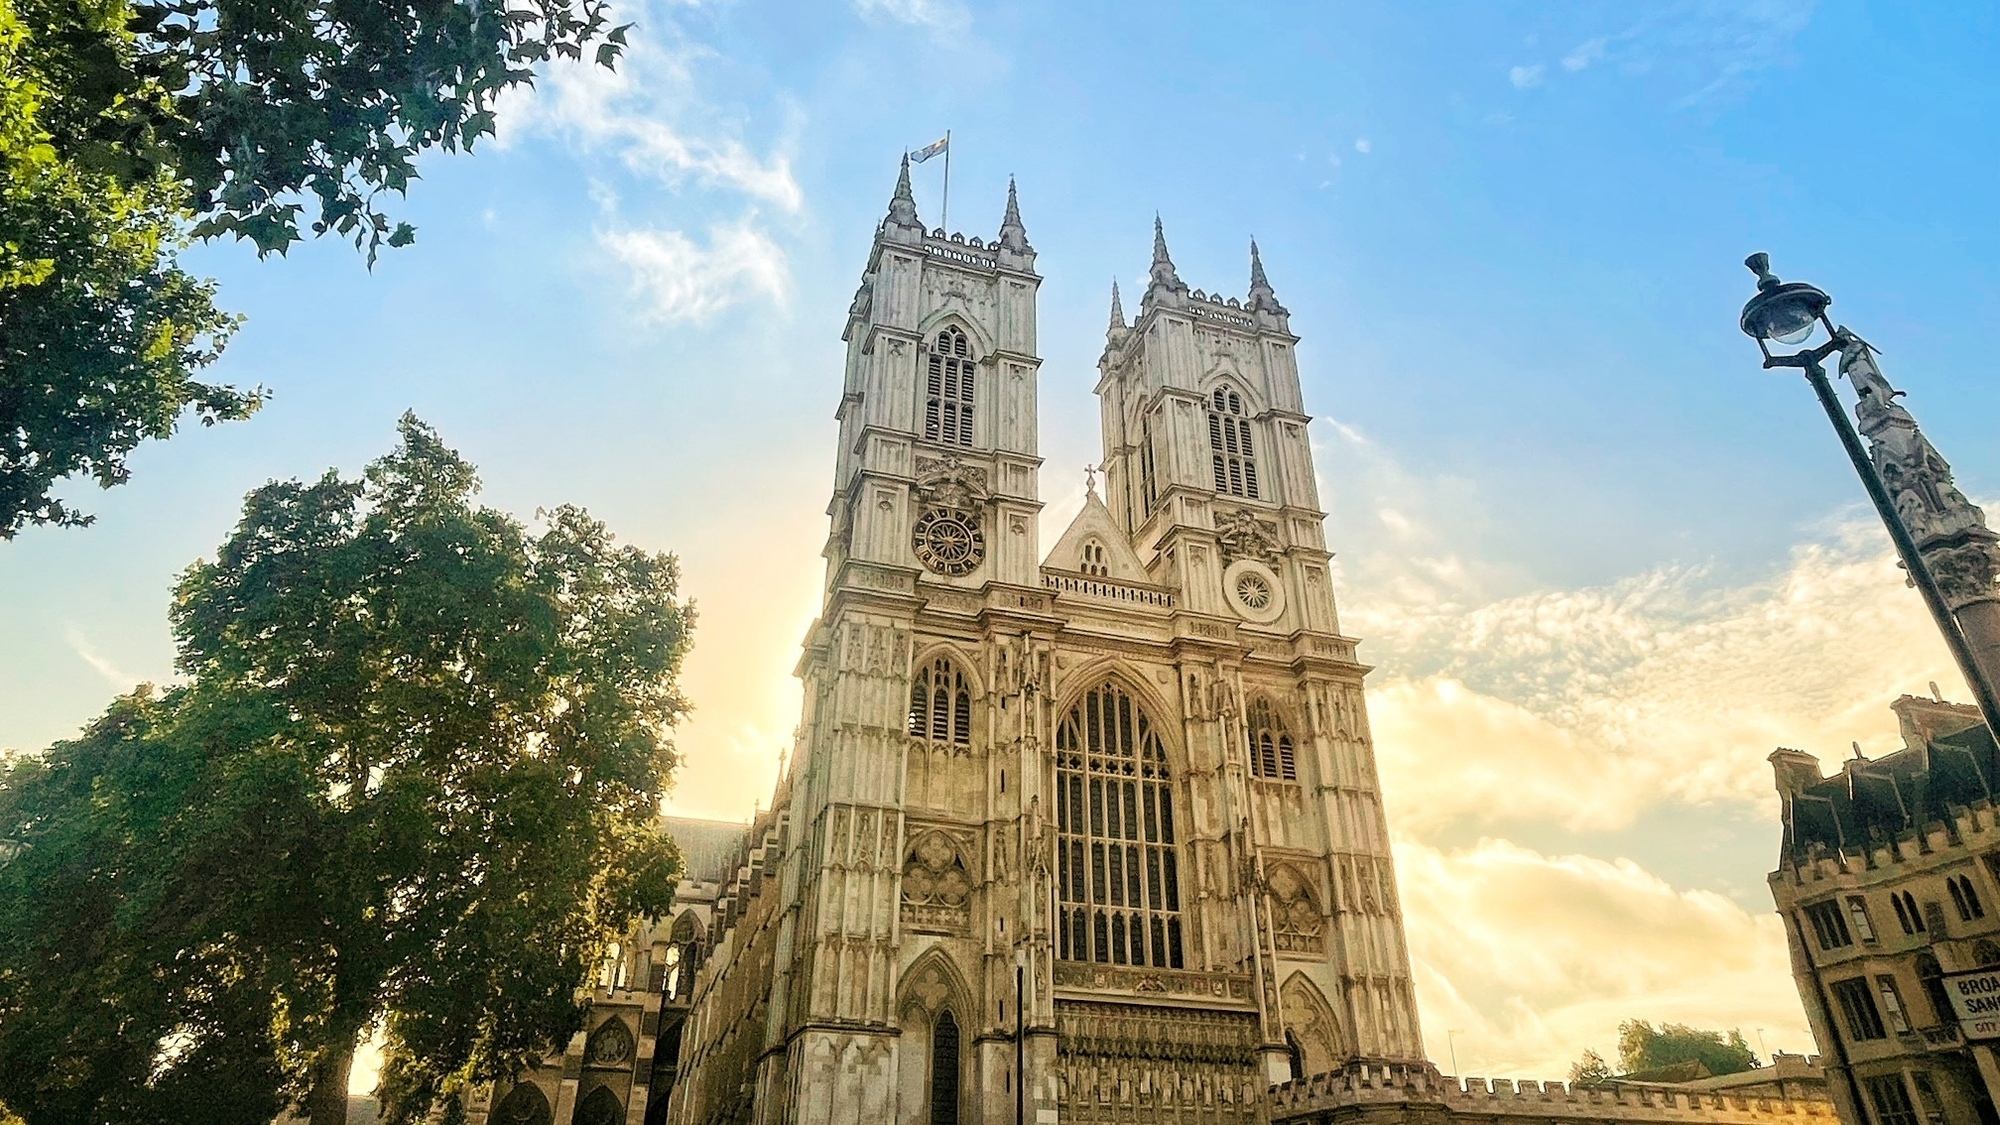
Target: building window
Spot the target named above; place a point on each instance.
(523, 1105)
(1271, 752)
(1907, 914)
(1892, 1101)
(1094, 562)
(944, 1070)
(941, 704)
(1116, 866)
(1863, 1020)
(1927, 1097)
(948, 390)
(1857, 909)
(1932, 978)
(1828, 925)
(1295, 1056)
(600, 1108)
(1892, 1005)
(1231, 452)
(1148, 490)
(1964, 898)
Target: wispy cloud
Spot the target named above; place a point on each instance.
(1584, 53)
(99, 663)
(942, 16)
(677, 278)
(1706, 49)
(1363, 145)
(1524, 77)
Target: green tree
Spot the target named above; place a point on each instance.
(1643, 1047)
(128, 125)
(1590, 1070)
(410, 782)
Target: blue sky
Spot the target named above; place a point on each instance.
(1602, 562)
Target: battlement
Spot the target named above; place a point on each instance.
(1363, 1085)
(1964, 826)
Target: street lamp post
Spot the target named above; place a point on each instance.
(1793, 312)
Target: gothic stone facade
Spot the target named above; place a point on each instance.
(1119, 795)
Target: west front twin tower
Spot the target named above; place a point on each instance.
(1106, 816)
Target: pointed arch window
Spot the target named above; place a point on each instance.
(941, 704)
(944, 1069)
(524, 1105)
(948, 389)
(1232, 454)
(1149, 495)
(1272, 754)
(1117, 869)
(1095, 563)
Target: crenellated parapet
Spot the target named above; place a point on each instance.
(1385, 1090)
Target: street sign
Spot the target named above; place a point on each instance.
(1975, 997)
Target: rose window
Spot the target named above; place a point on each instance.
(949, 543)
(1253, 591)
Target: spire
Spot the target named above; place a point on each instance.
(1162, 275)
(903, 205)
(1013, 236)
(1950, 530)
(1262, 298)
(1117, 312)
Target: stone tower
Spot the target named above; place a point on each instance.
(1106, 818)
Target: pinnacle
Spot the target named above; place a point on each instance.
(1257, 278)
(1117, 311)
(1162, 275)
(903, 205)
(1013, 236)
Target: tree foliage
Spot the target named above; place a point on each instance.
(1641, 1047)
(410, 782)
(1590, 1070)
(127, 125)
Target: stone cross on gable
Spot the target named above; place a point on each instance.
(1090, 478)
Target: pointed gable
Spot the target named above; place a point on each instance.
(1094, 526)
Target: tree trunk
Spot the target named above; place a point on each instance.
(326, 1103)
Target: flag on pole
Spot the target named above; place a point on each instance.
(930, 150)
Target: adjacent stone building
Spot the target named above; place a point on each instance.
(1889, 884)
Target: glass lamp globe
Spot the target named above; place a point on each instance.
(1784, 312)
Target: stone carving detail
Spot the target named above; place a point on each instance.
(1312, 1024)
(1125, 1063)
(949, 542)
(1950, 530)
(1296, 924)
(610, 1045)
(1158, 982)
(937, 891)
(948, 483)
(1244, 536)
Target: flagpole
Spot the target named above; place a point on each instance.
(944, 208)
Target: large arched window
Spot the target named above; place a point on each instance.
(941, 704)
(1116, 867)
(944, 1070)
(948, 390)
(1231, 452)
(523, 1105)
(1271, 752)
(600, 1107)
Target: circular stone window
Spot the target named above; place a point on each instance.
(949, 543)
(1254, 591)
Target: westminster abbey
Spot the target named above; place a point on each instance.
(1089, 833)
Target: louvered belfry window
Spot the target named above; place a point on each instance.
(948, 390)
(1231, 451)
(1272, 754)
(1117, 868)
(941, 704)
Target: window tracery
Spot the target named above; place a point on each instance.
(1232, 454)
(1117, 867)
(601, 1108)
(941, 704)
(1272, 754)
(525, 1104)
(948, 390)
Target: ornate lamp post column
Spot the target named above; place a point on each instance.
(1951, 556)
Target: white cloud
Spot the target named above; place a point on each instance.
(1524, 77)
(679, 279)
(650, 116)
(1583, 54)
(1585, 942)
(941, 16)
(99, 663)
(1363, 145)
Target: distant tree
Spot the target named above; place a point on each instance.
(410, 782)
(1642, 1047)
(1589, 1070)
(128, 125)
